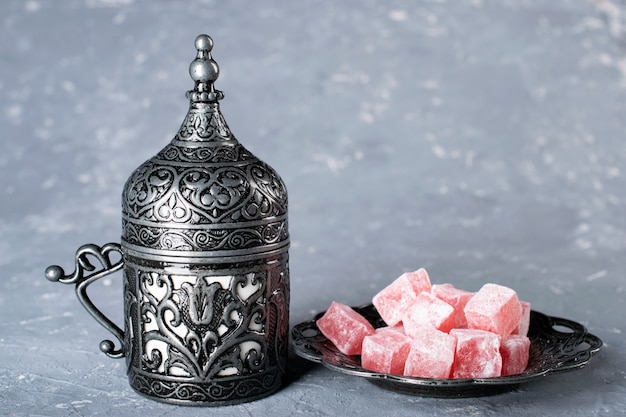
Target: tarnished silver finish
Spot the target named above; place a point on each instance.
(206, 275)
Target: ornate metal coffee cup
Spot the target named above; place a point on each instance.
(204, 251)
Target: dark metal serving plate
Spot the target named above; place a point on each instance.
(557, 345)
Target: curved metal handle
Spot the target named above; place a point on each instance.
(103, 254)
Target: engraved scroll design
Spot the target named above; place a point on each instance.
(204, 122)
(146, 186)
(157, 197)
(189, 239)
(217, 392)
(201, 329)
(204, 195)
(271, 197)
(205, 154)
(212, 194)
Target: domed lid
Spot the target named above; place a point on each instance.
(204, 195)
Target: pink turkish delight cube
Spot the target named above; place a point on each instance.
(514, 351)
(494, 308)
(524, 321)
(394, 299)
(397, 328)
(431, 354)
(385, 351)
(345, 328)
(477, 354)
(457, 298)
(428, 310)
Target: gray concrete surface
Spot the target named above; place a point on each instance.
(483, 140)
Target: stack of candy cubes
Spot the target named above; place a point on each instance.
(435, 331)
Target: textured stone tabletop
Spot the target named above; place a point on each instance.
(483, 140)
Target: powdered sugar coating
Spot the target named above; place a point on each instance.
(393, 300)
(345, 328)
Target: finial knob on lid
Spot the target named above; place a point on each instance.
(204, 43)
(204, 71)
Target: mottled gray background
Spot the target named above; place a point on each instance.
(481, 139)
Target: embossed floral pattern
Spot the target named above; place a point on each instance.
(194, 326)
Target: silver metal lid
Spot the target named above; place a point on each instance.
(204, 195)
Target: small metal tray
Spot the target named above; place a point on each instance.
(557, 345)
